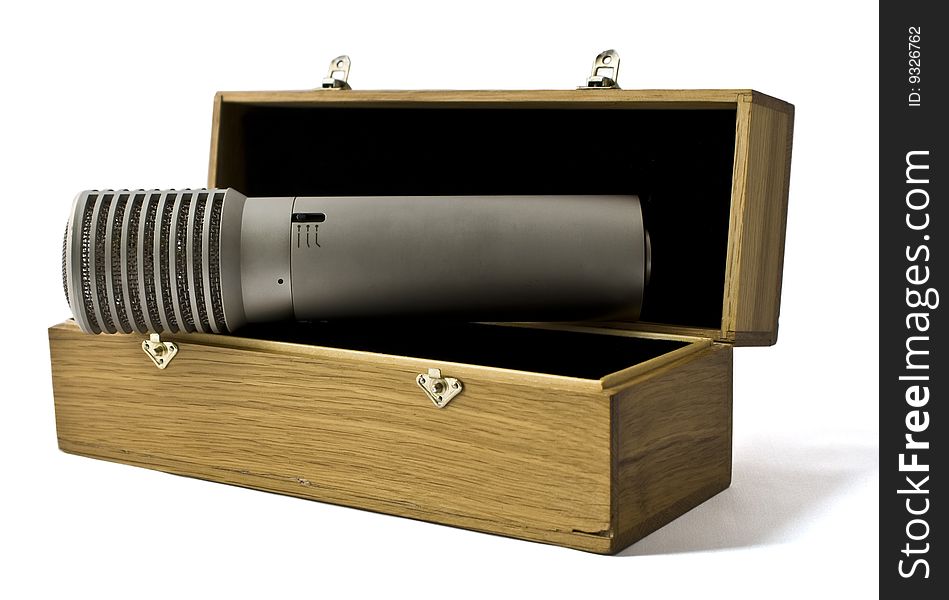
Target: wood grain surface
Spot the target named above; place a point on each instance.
(673, 442)
(758, 221)
(518, 458)
(535, 98)
(521, 454)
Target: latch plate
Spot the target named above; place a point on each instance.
(605, 72)
(160, 352)
(338, 74)
(440, 390)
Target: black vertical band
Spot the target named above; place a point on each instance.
(914, 225)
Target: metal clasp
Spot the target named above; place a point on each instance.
(160, 352)
(440, 390)
(338, 74)
(605, 72)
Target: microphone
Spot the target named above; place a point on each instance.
(212, 260)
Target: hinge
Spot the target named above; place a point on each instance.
(338, 74)
(440, 390)
(605, 72)
(160, 352)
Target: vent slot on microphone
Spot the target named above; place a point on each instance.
(214, 253)
(65, 282)
(115, 248)
(102, 296)
(164, 265)
(131, 262)
(85, 263)
(148, 263)
(181, 263)
(197, 263)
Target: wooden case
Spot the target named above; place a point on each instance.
(587, 435)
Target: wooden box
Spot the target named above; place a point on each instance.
(587, 435)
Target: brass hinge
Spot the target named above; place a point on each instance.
(338, 74)
(440, 390)
(605, 72)
(160, 352)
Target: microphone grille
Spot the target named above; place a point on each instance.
(146, 261)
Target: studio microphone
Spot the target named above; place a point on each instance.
(211, 260)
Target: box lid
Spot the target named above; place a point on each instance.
(711, 165)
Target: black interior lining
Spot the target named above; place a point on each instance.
(679, 161)
(567, 353)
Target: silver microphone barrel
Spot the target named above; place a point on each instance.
(213, 260)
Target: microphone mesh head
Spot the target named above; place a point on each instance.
(146, 261)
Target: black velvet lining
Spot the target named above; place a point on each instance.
(679, 161)
(572, 354)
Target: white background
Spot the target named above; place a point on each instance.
(119, 95)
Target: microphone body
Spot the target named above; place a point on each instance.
(213, 260)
